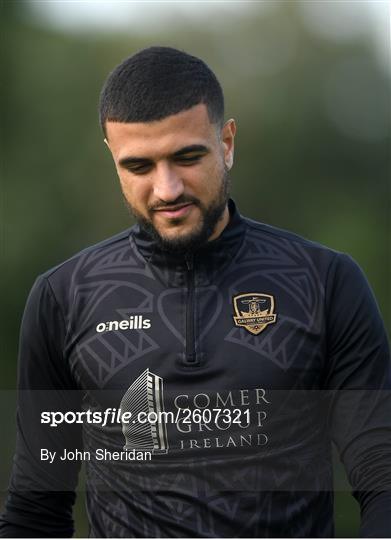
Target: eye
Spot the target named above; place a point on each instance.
(188, 159)
(143, 168)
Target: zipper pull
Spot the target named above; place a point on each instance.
(189, 258)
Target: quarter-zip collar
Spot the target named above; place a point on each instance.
(207, 260)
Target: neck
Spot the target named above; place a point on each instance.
(221, 224)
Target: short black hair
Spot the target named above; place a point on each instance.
(157, 82)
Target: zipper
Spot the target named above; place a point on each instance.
(190, 355)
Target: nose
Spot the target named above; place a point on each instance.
(168, 184)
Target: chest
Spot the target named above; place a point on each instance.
(247, 328)
(235, 351)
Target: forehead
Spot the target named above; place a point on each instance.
(162, 137)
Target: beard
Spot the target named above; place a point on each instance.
(193, 240)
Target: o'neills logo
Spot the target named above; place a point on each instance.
(254, 311)
(135, 322)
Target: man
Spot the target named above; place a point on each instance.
(263, 346)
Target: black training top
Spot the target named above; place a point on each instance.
(263, 346)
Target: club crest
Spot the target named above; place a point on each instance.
(254, 311)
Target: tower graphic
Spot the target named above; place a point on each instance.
(144, 395)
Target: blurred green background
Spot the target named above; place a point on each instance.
(308, 83)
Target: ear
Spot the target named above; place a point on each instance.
(227, 140)
(105, 140)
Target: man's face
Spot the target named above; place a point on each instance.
(173, 174)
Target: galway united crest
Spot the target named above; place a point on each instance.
(254, 311)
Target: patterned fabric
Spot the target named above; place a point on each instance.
(287, 339)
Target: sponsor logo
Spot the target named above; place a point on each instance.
(254, 311)
(161, 424)
(145, 395)
(135, 322)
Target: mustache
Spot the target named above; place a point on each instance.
(182, 200)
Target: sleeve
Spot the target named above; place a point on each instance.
(40, 493)
(358, 376)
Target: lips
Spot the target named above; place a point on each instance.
(175, 211)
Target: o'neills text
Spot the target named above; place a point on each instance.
(135, 322)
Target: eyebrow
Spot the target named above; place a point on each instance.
(190, 149)
(133, 160)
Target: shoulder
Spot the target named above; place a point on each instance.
(275, 240)
(276, 235)
(88, 268)
(95, 252)
(88, 272)
(285, 250)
